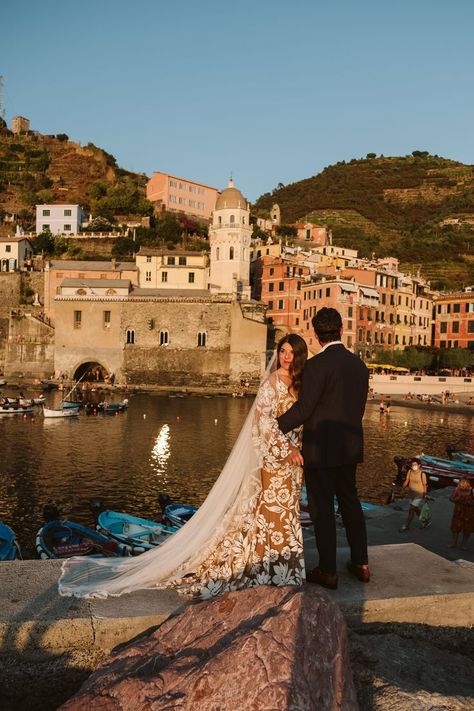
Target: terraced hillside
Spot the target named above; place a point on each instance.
(419, 208)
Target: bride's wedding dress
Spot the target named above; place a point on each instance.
(246, 533)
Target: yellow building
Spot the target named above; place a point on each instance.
(172, 269)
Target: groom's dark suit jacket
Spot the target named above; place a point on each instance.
(331, 405)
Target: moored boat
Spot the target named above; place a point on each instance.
(178, 514)
(457, 456)
(61, 538)
(137, 534)
(9, 549)
(15, 409)
(69, 412)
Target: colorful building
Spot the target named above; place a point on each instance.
(181, 195)
(172, 269)
(454, 319)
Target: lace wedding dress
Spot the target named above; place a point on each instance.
(246, 533)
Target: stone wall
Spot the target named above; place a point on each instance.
(30, 346)
(155, 340)
(10, 295)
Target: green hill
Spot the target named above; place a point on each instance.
(45, 169)
(392, 206)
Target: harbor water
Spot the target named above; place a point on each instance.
(176, 445)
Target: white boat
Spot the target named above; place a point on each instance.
(70, 412)
(11, 410)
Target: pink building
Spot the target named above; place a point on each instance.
(312, 233)
(180, 195)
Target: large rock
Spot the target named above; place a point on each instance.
(260, 649)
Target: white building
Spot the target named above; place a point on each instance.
(59, 219)
(13, 252)
(229, 239)
(172, 269)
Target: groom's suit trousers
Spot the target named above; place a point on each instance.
(322, 485)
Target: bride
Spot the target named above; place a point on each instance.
(247, 532)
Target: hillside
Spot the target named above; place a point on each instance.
(392, 205)
(42, 169)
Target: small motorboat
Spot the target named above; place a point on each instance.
(69, 412)
(9, 549)
(457, 456)
(112, 408)
(175, 514)
(68, 405)
(61, 538)
(136, 534)
(15, 409)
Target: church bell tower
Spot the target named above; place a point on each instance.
(229, 238)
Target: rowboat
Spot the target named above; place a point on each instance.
(69, 412)
(9, 549)
(178, 514)
(15, 410)
(136, 534)
(460, 456)
(68, 405)
(61, 538)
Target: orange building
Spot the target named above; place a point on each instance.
(181, 195)
(454, 319)
(281, 282)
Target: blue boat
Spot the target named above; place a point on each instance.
(68, 405)
(462, 457)
(8, 545)
(178, 514)
(136, 534)
(61, 538)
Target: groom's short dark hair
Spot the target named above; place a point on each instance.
(327, 324)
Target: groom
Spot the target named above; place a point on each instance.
(331, 405)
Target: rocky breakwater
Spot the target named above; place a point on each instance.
(260, 648)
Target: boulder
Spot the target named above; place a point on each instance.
(257, 649)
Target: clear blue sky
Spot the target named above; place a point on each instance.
(270, 90)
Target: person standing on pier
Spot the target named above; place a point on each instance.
(330, 407)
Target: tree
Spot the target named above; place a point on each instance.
(124, 247)
(62, 137)
(371, 155)
(44, 243)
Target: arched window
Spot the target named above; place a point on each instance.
(243, 220)
(219, 220)
(231, 253)
(202, 338)
(81, 292)
(236, 253)
(130, 336)
(217, 252)
(164, 338)
(232, 219)
(110, 292)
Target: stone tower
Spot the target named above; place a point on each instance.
(229, 239)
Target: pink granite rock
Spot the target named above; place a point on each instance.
(260, 649)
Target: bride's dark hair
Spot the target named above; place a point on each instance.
(300, 355)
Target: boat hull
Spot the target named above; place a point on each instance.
(137, 534)
(62, 538)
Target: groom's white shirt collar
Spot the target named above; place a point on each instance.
(332, 343)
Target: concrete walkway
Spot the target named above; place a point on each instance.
(412, 574)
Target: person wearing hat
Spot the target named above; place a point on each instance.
(415, 480)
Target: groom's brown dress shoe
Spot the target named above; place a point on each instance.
(361, 572)
(327, 580)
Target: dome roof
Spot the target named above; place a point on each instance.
(231, 198)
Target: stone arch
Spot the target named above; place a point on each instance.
(91, 371)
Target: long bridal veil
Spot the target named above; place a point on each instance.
(182, 553)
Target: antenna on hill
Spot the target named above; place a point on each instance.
(2, 109)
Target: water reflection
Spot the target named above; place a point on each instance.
(161, 452)
(173, 445)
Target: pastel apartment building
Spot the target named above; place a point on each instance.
(175, 269)
(59, 219)
(180, 195)
(281, 291)
(454, 319)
